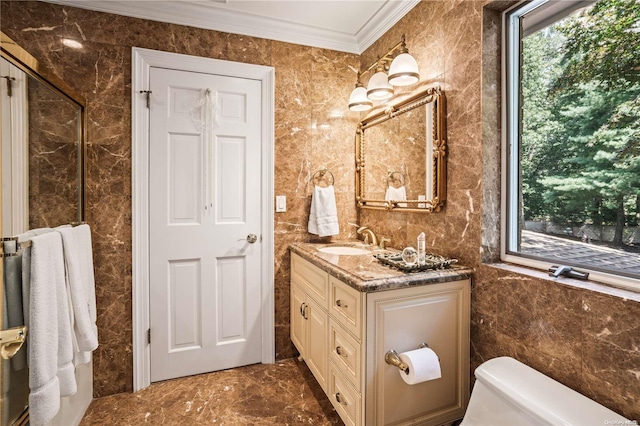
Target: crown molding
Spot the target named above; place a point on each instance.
(203, 15)
(382, 21)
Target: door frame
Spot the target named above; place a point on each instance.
(142, 61)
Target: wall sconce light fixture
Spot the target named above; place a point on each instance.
(358, 100)
(379, 88)
(390, 70)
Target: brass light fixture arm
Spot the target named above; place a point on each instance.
(384, 59)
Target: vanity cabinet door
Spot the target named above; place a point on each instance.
(317, 344)
(438, 315)
(298, 323)
(310, 332)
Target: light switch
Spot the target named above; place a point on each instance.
(281, 203)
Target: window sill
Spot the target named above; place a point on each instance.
(587, 285)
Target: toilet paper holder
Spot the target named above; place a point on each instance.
(392, 358)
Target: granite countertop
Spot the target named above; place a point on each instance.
(366, 274)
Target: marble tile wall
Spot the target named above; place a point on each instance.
(53, 157)
(585, 339)
(445, 39)
(582, 337)
(312, 124)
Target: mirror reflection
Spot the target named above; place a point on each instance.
(42, 146)
(401, 155)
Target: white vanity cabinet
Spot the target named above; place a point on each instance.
(343, 335)
(309, 319)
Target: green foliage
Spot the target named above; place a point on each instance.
(580, 148)
(602, 45)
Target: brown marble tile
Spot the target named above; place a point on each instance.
(611, 333)
(545, 316)
(107, 170)
(284, 347)
(612, 395)
(251, 50)
(530, 320)
(566, 373)
(462, 39)
(262, 394)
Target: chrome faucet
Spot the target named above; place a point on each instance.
(368, 233)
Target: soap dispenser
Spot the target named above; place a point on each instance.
(421, 248)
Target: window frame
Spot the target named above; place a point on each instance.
(511, 138)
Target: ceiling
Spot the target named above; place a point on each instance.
(343, 25)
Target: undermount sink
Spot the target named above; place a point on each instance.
(344, 250)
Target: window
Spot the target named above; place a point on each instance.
(571, 178)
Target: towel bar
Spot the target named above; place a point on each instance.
(10, 250)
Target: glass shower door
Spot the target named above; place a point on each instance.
(14, 371)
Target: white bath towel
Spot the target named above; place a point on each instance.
(323, 217)
(396, 194)
(26, 275)
(78, 258)
(51, 370)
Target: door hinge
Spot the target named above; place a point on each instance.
(10, 81)
(149, 336)
(148, 93)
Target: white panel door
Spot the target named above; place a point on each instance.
(204, 200)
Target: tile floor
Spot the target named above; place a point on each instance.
(284, 393)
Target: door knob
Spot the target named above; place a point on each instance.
(251, 238)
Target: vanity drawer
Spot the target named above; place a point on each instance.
(345, 352)
(314, 280)
(347, 402)
(345, 305)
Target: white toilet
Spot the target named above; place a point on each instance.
(510, 393)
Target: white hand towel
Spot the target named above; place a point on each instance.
(323, 217)
(51, 371)
(26, 277)
(78, 258)
(396, 194)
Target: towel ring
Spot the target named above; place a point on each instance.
(395, 179)
(321, 176)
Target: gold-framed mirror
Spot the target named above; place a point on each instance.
(401, 152)
(43, 144)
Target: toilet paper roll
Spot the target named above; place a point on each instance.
(423, 365)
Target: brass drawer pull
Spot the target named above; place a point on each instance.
(303, 310)
(341, 304)
(340, 352)
(340, 400)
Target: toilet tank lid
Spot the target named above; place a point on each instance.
(542, 396)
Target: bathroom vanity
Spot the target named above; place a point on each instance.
(348, 311)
